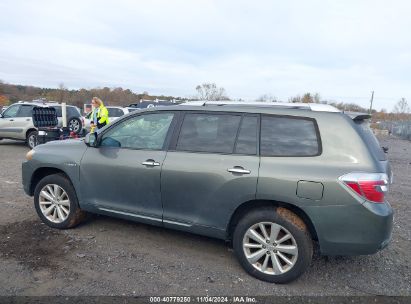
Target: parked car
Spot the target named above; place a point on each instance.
(113, 114)
(16, 121)
(273, 180)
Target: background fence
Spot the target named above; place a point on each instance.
(401, 129)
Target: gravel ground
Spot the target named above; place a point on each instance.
(107, 256)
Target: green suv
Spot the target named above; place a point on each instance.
(272, 179)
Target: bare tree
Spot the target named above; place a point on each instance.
(267, 98)
(306, 98)
(210, 91)
(401, 107)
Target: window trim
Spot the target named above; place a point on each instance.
(258, 116)
(317, 134)
(121, 120)
(177, 132)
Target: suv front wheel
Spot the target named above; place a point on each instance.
(273, 244)
(56, 202)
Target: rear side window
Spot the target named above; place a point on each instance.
(73, 112)
(289, 136)
(25, 111)
(370, 140)
(115, 112)
(215, 133)
(58, 111)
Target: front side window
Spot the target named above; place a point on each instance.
(140, 132)
(288, 136)
(11, 111)
(215, 133)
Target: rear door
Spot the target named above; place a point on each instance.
(212, 167)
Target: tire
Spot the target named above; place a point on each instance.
(64, 212)
(75, 125)
(31, 139)
(299, 251)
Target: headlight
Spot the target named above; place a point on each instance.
(29, 155)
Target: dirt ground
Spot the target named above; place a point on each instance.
(107, 256)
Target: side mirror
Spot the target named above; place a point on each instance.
(91, 139)
(1, 115)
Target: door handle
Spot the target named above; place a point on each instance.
(150, 163)
(11, 120)
(238, 169)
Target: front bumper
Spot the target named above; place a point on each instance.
(26, 175)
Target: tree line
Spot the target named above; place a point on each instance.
(10, 93)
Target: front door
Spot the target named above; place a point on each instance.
(8, 128)
(122, 175)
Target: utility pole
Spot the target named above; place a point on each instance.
(372, 99)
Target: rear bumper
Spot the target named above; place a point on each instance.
(352, 230)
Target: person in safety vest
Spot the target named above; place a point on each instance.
(99, 115)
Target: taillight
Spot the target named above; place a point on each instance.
(370, 186)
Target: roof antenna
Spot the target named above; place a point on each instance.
(204, 104)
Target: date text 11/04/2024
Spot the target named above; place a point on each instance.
(203, 299)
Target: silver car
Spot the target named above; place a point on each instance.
(16, 121)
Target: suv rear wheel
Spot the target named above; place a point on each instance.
(273, 245)
(75, 125)
(56, 202)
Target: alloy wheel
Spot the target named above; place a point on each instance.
(32, 141)
(54, 203)
(270, 248)
(74, 125)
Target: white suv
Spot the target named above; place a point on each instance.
(16, 121)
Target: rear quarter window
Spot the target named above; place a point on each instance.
(289, 136)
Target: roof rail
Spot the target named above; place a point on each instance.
(287, 105)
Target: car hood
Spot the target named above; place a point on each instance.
(67, 142)
(59, 151)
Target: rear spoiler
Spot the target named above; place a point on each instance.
(357, 116)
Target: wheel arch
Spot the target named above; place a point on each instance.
(40, 173)
(29, 130)
(255, 204)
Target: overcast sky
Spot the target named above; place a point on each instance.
(341, 49)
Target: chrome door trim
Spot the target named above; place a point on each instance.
(131, 214)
